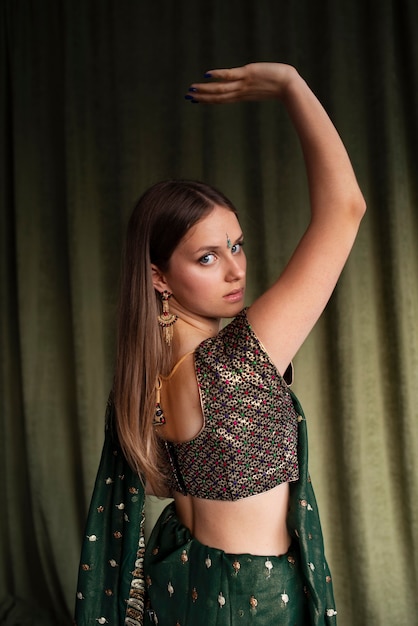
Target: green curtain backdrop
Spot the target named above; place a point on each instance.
(92, 112)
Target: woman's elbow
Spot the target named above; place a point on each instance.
(357, 206)
(362, 206)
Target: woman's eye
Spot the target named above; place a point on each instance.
(207, 259)
(237, 247)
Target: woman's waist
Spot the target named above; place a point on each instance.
(254, 525)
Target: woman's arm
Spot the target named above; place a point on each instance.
(284, 315)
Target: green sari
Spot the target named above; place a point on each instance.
(169, 583)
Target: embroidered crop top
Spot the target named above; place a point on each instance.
(248, 443)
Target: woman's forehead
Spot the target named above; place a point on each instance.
(214, 229)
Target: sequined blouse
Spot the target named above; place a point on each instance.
(248, 443)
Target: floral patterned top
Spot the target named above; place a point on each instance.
(248, 443)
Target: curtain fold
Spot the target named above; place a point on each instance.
(92, 112)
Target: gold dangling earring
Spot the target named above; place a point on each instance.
(167, 320)
(159, 417)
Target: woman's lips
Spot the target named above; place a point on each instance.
(234, 296)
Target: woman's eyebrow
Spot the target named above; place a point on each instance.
(216, 247)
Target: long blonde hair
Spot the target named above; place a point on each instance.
(161, 218)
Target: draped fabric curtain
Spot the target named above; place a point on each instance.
(92, 112)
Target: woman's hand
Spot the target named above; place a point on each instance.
(256, 81)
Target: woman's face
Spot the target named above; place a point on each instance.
(206, 272)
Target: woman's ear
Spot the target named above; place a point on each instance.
(158, 279)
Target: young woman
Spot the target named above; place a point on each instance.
(205, 415)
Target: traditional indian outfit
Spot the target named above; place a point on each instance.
(254, 437)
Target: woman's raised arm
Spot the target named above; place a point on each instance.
(285, 314)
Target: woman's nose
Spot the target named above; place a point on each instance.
(236, 268)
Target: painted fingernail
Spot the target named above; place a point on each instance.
(194, 101)
(188, 97)
(208, 75)
(193, 89)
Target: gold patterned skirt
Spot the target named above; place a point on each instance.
(189, 583)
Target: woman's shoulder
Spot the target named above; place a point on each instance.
(237, 341)
(236, 330)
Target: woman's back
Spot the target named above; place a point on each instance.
(226, 440)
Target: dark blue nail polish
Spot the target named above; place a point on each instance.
(192, 89)
(188, 97)
(208, 75)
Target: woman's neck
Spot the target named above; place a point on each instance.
(190, 332)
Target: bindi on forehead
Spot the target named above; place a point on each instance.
(211, 231)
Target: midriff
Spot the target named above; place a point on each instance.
(254, 525)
